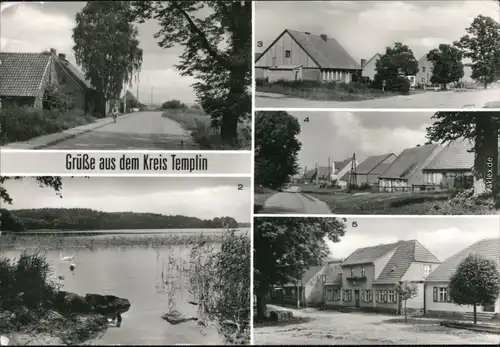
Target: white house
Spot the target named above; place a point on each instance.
(340, 169)
(320, 57)
(369, 67)
(437, 300)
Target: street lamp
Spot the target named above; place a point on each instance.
(323, 280)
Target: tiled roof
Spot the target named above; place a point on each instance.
(21, 74)
(339, 165)
(75, 72)
(454, 156)
(488, 248)
(406, 253)
(371, 163)
(409, 161)
(328, 54)
(257, 56)
(368, 255)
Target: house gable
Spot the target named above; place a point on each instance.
(369, 68)
(275, 54)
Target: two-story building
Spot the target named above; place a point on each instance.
(369, 277)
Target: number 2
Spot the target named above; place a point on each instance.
(240, 186)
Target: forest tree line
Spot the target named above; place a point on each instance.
(87, 219)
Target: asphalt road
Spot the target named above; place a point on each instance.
(140, 130)
(290, 201)
(430, 99)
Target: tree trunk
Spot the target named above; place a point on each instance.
(475, 314)
(406, 314)
(260, 294)
(486, 155)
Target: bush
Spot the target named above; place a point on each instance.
(174, 104)
(24, 123)
(56, 98)
(27, 283)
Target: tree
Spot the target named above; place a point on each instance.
(406, 291)
(482, 46)
(9, 222)
(174, 105)
(286, 247)
(107, 48)
(276, 148)
(475, 282)
(448, 66)
(481, 128)
(217, 36)
(54, 182)
(394, 66)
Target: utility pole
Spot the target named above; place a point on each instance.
(329, 171)
(317, 173)
(152, 90)
(352, 176)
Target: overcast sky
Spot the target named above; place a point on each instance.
(364, 28)
(203, 197)
(340, 134)
(34, 27)
(442, 236)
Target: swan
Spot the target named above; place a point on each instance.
(4, 341)
(67, 258)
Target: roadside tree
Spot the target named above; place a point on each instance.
(276, 148)
(54, 182)
(217, 40)
(482, 46)
(107, 48)
(394, 67)
(406, 291)
(481, 128)
(475, 282)
(286, 247)
(447, 65)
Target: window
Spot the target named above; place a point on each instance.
(336, 295)
(449, 296)
(443, 297)
(329, 294)
(352, 272)
(369, 296)
(362, 271)
(427, 269)
(348, 295)
(292, 291)
(392, 296)
(288, 54)
(384, 296)
(423, 68)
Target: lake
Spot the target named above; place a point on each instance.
(133, 273)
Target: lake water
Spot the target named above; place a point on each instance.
(133, 273)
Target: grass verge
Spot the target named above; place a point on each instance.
(22, 123)
(315, 90)
(199, 125)
(261, 194)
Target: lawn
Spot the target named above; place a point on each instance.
(313, 90)
(198, 123)
(393, 203)
(332, 327)
(261, 194)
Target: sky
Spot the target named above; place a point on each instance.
(204, 197)
(339, 135)
(364, 28)
(442, 236)
(35, 27)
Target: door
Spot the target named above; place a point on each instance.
(356, 297)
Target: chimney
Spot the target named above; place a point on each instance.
(307, 33)
(363, 62)
(324, 37)
(62, 56)
(53, 51)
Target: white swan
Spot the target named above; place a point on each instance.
(67, 258)
(4, 341)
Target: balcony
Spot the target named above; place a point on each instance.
(356, 279)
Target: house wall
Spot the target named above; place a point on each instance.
(259, 72)
(331, 75)
(392, 185)
(387, 307)
(440, 308)
(287, 75)
(311, 74)
(416, 271)
(445, 179)
(424, 73)
(71, 86)
(417, 177)
(275, 55)
(8, 101)
(369, 69)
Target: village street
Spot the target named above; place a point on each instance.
(140, 130)
(291, 201)
(430, 99)
(333, 327)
